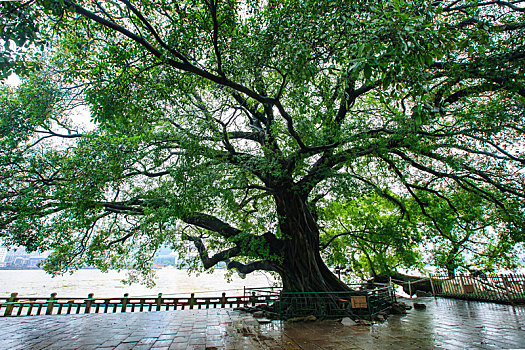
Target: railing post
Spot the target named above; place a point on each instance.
(70, 306)
(30, 309)
(462, 284)
(505, 280)
(192, 300)
(124, 302)
(253, 299)
(10, 305)
(391, 290)
(223, 300)
(432, 286)
(89, 301)
(370, 311)
(50, 304)
(159, 301)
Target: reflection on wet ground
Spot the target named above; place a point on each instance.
(445, 324)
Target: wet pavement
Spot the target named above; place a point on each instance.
(445, 324)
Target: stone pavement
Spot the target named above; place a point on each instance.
(445, 324)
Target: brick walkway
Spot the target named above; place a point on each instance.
(445, 324)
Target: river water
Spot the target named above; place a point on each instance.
(169, 281)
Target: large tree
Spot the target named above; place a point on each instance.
(231, 124)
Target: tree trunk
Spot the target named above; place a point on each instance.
(302, 268)
(451, 264)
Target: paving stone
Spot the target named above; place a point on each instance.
(196, 347)
(180, 339)
(125, 346)
(162, 344)
(445, 324)
(178, 346)
(145, 341)
(166, 337)
(197, 341)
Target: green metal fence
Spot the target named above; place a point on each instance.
(357, 304)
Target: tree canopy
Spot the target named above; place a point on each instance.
(271, 135)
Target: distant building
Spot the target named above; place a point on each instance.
(3, 254)
(20, 261)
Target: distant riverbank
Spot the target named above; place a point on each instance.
(169, 281)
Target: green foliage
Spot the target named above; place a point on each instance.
(474, 233)
(376, 238)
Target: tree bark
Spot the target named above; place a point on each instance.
(302, 268)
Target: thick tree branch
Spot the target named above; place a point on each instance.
(503, 27)
(212, 4)
(148, 173)
(64, 136)
(350, 96)
(289, 123)
(263, 265)
(154, 32)
(246, 135)
(120, 240)
(123, 208)
(208, 262)
(469, 91)
(211, 223)
(324, 167)
(348, 233)
(253, 112)
(225, 256)
(508, 4)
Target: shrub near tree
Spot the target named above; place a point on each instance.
(231, 124)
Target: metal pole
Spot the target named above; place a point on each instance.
(504, 278)
(432, 286)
